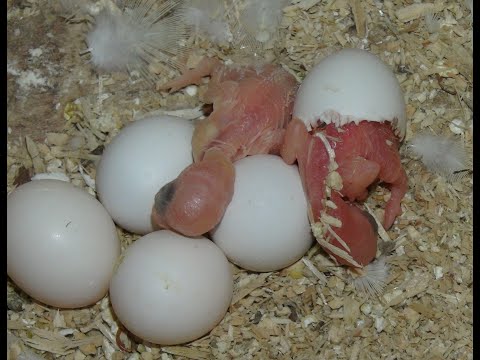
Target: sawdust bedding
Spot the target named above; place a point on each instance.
(61, 113)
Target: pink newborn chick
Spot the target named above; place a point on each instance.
(252, 105)
(365, 153)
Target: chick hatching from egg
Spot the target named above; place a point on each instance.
(251, 108)
(348, 121)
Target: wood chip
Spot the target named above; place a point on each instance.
(414, 11)
(38, 165)
(189, 353)
(255, 283)
(416, 285)
(322, 278)
(52, 342)
(23, 176)
(359, 17)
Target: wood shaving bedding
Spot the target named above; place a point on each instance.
(309, 310)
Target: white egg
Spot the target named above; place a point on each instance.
(265, 227)
(62, 244)
(143, 157)
(170, 289)
(351, 85)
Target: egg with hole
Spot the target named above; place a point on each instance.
(62, 244)
(143, 157)
(169, 289)
(265, 226)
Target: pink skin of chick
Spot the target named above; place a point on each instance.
(252, 105)
(364, 153)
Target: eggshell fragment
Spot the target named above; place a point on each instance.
(170, 289)
(350, 86)
(265, 227)
(143, 157)
(61, 243)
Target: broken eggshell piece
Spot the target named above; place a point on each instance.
(350, 86)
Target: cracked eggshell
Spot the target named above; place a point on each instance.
(351, 85)
(169, 289)
(143, 157)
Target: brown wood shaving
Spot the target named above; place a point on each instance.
(255, 283)
(53, 342)
(189, 353)
(414, 11)
(416, 285)
(359, 17)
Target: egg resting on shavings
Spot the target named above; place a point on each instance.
(138, 36)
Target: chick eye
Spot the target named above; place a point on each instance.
(164, 196)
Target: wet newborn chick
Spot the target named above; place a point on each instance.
(252, 106)
(363, 154)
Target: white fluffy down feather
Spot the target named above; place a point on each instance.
(440, 154)
(262, 17)
(113, 40)
(207, 23)
(147, 34)
(139, 35)
(239, 22)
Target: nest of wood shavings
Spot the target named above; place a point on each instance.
(61, 114)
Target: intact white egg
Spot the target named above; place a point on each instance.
(62, 245)
(351, 85)
(265, 227)
(170, 289)
(143, 157)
